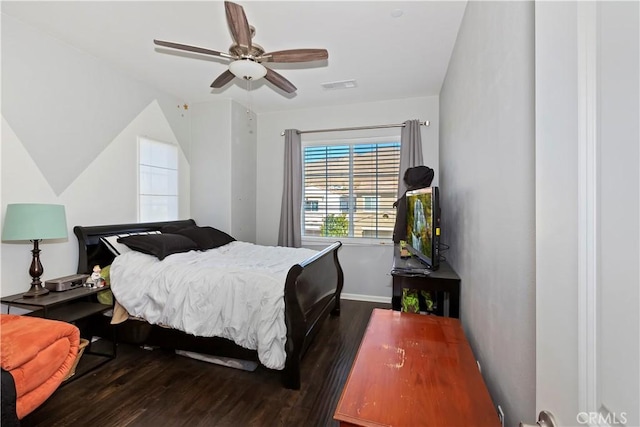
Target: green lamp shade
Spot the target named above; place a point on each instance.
(33, 221)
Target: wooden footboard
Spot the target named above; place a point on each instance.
(312, 291)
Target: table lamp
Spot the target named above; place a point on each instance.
(34, 222)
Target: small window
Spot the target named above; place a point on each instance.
(158, 181)
(310, 205)
(370, 203)
(345, 206)
(355, 185)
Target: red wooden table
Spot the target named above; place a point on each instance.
(414, 370)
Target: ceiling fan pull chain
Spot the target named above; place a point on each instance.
(249, 107)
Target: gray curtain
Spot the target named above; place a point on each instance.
(410, 151)
(290, 233)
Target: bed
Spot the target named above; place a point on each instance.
(311, 291)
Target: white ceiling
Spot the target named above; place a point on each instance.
(390, 58)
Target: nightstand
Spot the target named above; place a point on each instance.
(75, 306)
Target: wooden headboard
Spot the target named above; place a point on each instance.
(92, 251)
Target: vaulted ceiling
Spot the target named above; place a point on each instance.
(392, 49)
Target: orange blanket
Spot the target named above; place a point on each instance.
(38, 353)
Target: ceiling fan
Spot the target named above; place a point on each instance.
(247, 56)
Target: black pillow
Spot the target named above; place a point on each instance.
(159, 245)
(173, 228)
(206, 237)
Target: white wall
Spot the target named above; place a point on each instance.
(104, 193)
(42, 122)
(366, 267)
(211, 157)
(487, 176)
(223, 167)
(244, 141)
(67, 106)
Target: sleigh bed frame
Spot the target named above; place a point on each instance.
(312, 291)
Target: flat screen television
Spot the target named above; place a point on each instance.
(423, 225)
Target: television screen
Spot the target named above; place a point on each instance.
(423, 225)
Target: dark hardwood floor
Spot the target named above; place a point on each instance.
(159, 388)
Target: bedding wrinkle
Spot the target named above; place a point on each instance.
(235, 291)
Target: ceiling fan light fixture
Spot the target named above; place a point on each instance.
(247, 56)
(247, 69)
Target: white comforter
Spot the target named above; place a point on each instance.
(235, 291)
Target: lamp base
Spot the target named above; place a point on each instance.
(35, 291)
(35, 271)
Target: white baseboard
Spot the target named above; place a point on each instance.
(367, 298)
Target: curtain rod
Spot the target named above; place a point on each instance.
(398, 125)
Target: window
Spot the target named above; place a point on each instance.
(158, 181)
(345, 206)
(354, 186)
(311, 205)
(370, 203)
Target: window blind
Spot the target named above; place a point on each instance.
(349, 189)
(158, 181)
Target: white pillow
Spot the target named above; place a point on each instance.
(111, 242)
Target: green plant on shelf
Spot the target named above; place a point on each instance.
(411, 301)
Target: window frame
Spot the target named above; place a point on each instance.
(139, 194)
(347, 241)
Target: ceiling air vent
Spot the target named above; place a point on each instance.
(343, 84)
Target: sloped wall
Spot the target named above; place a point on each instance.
(69, 135)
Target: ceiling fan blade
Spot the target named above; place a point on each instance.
(238, 24)
(295, 55)
(222, 79)
(192, 48)
(279, 81)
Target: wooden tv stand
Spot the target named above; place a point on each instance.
(411, 273)
(414, 370)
